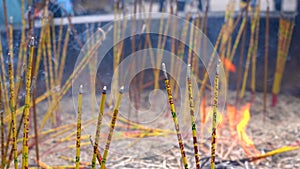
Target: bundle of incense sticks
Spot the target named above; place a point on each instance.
(286, 27)
(251, 52)
(174, 115)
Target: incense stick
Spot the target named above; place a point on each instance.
(214, 122)
(112, 126)
(12, 97)
(97, 135)
(27, 106)
(174, 115)
(192, 113)
(77, 159)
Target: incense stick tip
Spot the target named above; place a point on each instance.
(104, 90)
(218, 66)
(164, 70)
(11, 19)
(121, 89)
(31, 41)
(189, 71)
(81, 89)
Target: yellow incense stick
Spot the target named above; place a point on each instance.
(12, 94)
(174, 115)
(77, 159)
(112, 126)
(97, 135)
(27, 106)
(192, 113)
(214, 122)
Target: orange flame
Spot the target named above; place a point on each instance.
(246, 142)
(229, 65)
(231, 114)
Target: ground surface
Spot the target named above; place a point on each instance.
(280, 128)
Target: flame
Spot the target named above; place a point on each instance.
(229, 65)
(245, 141)
(231, 114)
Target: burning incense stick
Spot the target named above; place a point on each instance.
(196, 153)
(174, 115)
(77, 159)
(97, 135)
(12, 97)
(214, 122)
(27, 106)
(112, 126)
